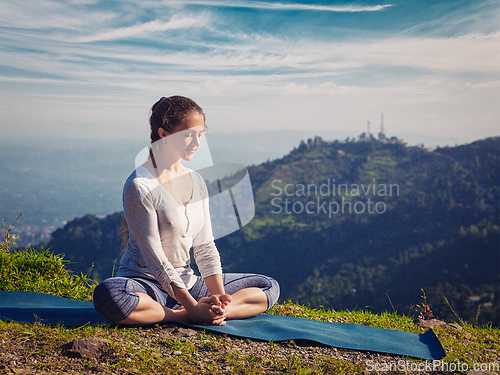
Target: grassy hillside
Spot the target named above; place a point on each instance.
(37, 348)
(92, 244)
(42, 271)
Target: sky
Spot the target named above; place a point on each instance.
(93, 69)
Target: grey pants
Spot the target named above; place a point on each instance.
(115, 298)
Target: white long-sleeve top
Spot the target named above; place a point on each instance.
(162, 231)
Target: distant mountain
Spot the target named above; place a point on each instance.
(352, 224)
(52, 181)
(434, 224)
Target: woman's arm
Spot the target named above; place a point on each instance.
(204, 250)
(214, 284)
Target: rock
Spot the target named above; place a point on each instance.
(168, 331)
(91, 347)
(456, 326)
(182, 332)
(432, 323)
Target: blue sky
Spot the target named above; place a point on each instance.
(94, 68)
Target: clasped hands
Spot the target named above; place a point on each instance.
(211, 310)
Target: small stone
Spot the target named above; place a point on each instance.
(177, 352)
(182, 332)
(168, 331)
(432, 323)
(91, 347)
(456, 326)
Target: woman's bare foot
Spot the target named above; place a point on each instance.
(225, 300)
(208, 311)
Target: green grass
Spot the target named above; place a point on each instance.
(40, 271)
(35, 348)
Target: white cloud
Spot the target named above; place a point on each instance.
(293, 89)
(328, 84)
(49, 15)
(305, 59)
(487, 85)
(42, 81)
(469, 52)
(292, 6)
(175, 23)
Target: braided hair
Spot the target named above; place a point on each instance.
(169, 112)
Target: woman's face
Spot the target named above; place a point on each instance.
(185, 140)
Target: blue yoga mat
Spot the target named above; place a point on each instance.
(28, 307)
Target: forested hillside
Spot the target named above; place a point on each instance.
(93, 245)
(434, 224)
(358, 224)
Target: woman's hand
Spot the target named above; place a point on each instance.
(220, 300)
(210, 310)
(220, 303)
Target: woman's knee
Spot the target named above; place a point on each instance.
(272, 292)
(114, 300)
(270, 287)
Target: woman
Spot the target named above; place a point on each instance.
(166, 211)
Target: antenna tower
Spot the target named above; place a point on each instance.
(381, 135)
